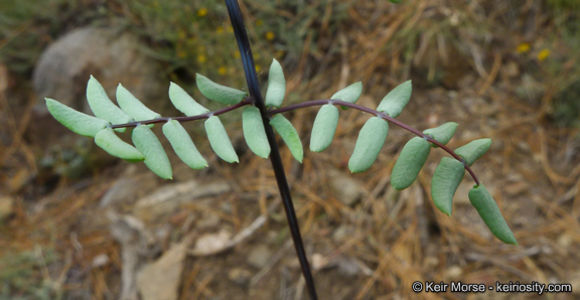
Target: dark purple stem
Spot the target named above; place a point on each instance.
(380, 115)
(218, 112)
(319, 102)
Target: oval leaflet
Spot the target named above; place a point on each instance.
(155, 157)
(254, 132)
(410, 162)
(473, 150)
(446, 179)
(74, 120)
(112, 144)
(102, 106)
(184, 102)
(370, 140)
(133, 107)
(324, 128)
(443, 133)
(289, 136)
(217, 92)
(276, 85)
(183, 145)
(350, 93)
(394, 102)
(219, 140)
(490, 213)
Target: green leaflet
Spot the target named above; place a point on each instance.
(133, 107)
(218, 92)
(410, 162)
(350, 93)
(446, 179)
(370, 140)
(323, 128)
(289, 135)
(443, 133)
(394, 102)
(490, 213)
(102, 106)
(276, 85)
(473, 150)
(155, 157)
(254, 132)
(184, 102)
(183, 145)
(219, 140)
(112, 144)
(76, 121)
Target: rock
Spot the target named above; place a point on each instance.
(113, 57)
(239, 276)
(6, 207)
(212, 243)
(259, 256)
(346, 189)
(160, 280)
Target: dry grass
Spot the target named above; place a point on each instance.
(465, 67)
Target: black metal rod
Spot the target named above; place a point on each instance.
(254, 89)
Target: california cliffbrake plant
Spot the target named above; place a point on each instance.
(258, 119)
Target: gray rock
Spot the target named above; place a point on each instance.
(111, 56)
(259, 256)
(347, 189)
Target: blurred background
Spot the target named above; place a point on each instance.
(78, 224)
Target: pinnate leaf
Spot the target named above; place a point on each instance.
(219, 140)
(443, 133)
(217, 92)
(394, 102)
(289, 135)
(254, 132)
(102, 106)
(112, 144)
(473, 150)
(74, 120)
(155, 157)
(323, 128)
(410, 162)
(350, 93)
(184, 102)
(183, 145)
(446, 179)
(276, 85)
(370, 140)
(133, 107)
(490, 213)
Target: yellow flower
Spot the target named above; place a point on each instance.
(201, 58)
(219, 29)
(222, 70)
(543, 54)
(270, 35)
(523, 48)
(258, 68)
(202, 12)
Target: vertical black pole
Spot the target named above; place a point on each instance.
(254, 89)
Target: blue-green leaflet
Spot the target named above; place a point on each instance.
(217, 92)
(102, 106)
(323, 128)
